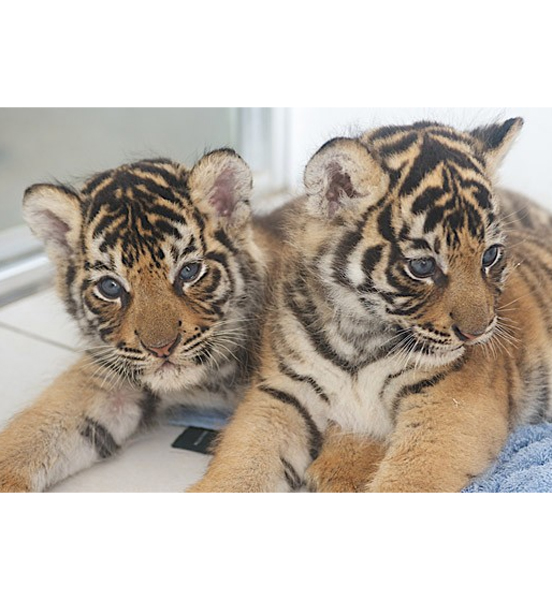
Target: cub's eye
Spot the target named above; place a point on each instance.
(110, 288)
(422, 267)
(491, 256)
(190, 272)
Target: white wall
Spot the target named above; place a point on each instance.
(527, 169)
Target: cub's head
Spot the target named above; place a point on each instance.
(155, 262)
(418, 240)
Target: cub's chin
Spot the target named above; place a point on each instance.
(169, 377)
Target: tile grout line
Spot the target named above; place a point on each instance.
(36, 337)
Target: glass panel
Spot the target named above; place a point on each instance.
(68, 144)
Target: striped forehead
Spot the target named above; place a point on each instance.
(414, 152)
(439, 183)
(136, 213)
(450, 204)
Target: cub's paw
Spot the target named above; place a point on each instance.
(328, 477)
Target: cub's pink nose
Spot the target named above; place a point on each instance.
(164, 350)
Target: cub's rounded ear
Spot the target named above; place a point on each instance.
(53, 213)
(494, 141)
(221, 183)
(340, 174)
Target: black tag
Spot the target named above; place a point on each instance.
(196, 439)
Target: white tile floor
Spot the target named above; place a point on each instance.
(37, 342)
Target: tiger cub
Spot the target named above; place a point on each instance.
(411, 325)
(163, 271)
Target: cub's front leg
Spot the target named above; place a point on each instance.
(267, 447)
(447, 435)
(77, 421)
(346, 463)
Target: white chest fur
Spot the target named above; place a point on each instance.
(364, 402)
(357, 404)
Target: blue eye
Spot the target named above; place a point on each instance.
(190, 271)
(110, 288)
(491, 256)
(422, 267)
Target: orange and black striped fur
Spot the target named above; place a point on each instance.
(411, 323)
(163, 271)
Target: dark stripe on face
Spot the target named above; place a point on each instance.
(166, 228)
(399, 146)
(405, 287)
(222, 237)
(96, 181)
(165, 212)
(345, 247)
(370, 259)
(71, 305)
(426, 199)
(155, 169)
(432, 154)
(161, 191)
(200, 224)
(384, 224)
(314, 433)
(105, 222)
(306, 315)
(215, 281)
(99, 437)
(388, 131)
(481, 194)
(420, 244)
(433, 218)
(222, 260)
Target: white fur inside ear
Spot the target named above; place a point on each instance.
(53, 214)
(222, 181)
(341, 171)
(226, 192)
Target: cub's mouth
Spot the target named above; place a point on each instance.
(166, 367)
(479, 338)
(407, 341)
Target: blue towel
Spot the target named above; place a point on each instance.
(525, 464)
